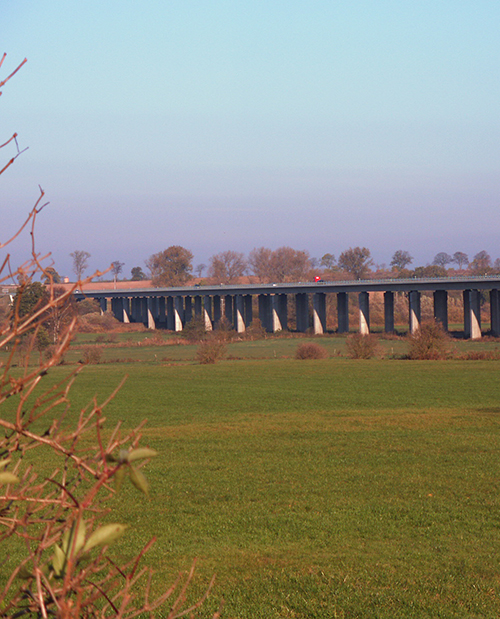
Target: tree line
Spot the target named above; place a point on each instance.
(174, 266)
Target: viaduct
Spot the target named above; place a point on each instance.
(172, 308)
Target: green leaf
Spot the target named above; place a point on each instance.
(8, 478)
(141, 453)
(139, 481)
(58, 560)
(105, 535)
(3, 463)
(67, 539)
(119, 477)
(123, 456)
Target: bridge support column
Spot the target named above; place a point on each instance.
(343, 312)
(247, 309)
(188, 309)
(441, 307)
(134, 309)
(265, 312)
(117, 307)
(162, 316)
(144, 310)
(126, 310)
(364, 313)
(217, 309)
(198, 306)
(178, 313)
(279, 312)
(239, 310)
(207, 312)
(415, 314)
(229, 309)
(472, 314)
(170, 314)
(319, 313)
(103, 304)
(302, 311)
(495, 312)
(151, 312)
(389, 311)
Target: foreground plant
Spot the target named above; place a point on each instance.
(59, 523)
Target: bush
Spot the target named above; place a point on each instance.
(430, 342)
(97, 323)
(211, 351)
(92, 354)
(194, 330)
(311, 350)
(360, 346)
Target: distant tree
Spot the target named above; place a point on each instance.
(290, 265)
(200, 268)
(431, 270)
(442, 259)
(137, 274)
(481, 265)
(496, 266)
(259, 261)
(29, 297)
(227, 267)
(401, 259)
(116, 268)
(460, 259)
(59, 314)
(51, 276)
(328, 261)
(356, 261)
(284, 264)
(80, 262)
(171, 267)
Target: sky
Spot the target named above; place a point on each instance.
(235, 124)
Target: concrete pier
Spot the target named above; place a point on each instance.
(495, 312)
(389, 311)
(472, 314)
(302, 312)
(364, 313)
(319, 313)
(343, 312)
(441, 307)
(414, 308)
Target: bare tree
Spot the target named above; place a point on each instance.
(200, 268)
(460, 259)
(80, 262)
(171, 267)
(328, 261)
(356, 261)
(116, 269)
(401, 259)
(442, 259)
(481, 265)
(227, 267)
(259, 261)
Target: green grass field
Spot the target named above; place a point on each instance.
(315, 489)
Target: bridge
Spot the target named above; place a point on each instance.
(172, 308)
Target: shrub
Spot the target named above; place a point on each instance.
(194, 330)
(211, 350)
(360, 346)
(311, 350)
(92, 354)
(97, 323)
(255, 330)
(430, 342)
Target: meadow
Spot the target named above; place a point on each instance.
(313, 489)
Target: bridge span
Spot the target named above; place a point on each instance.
(172, 308)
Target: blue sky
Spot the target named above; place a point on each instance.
(238, 124)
